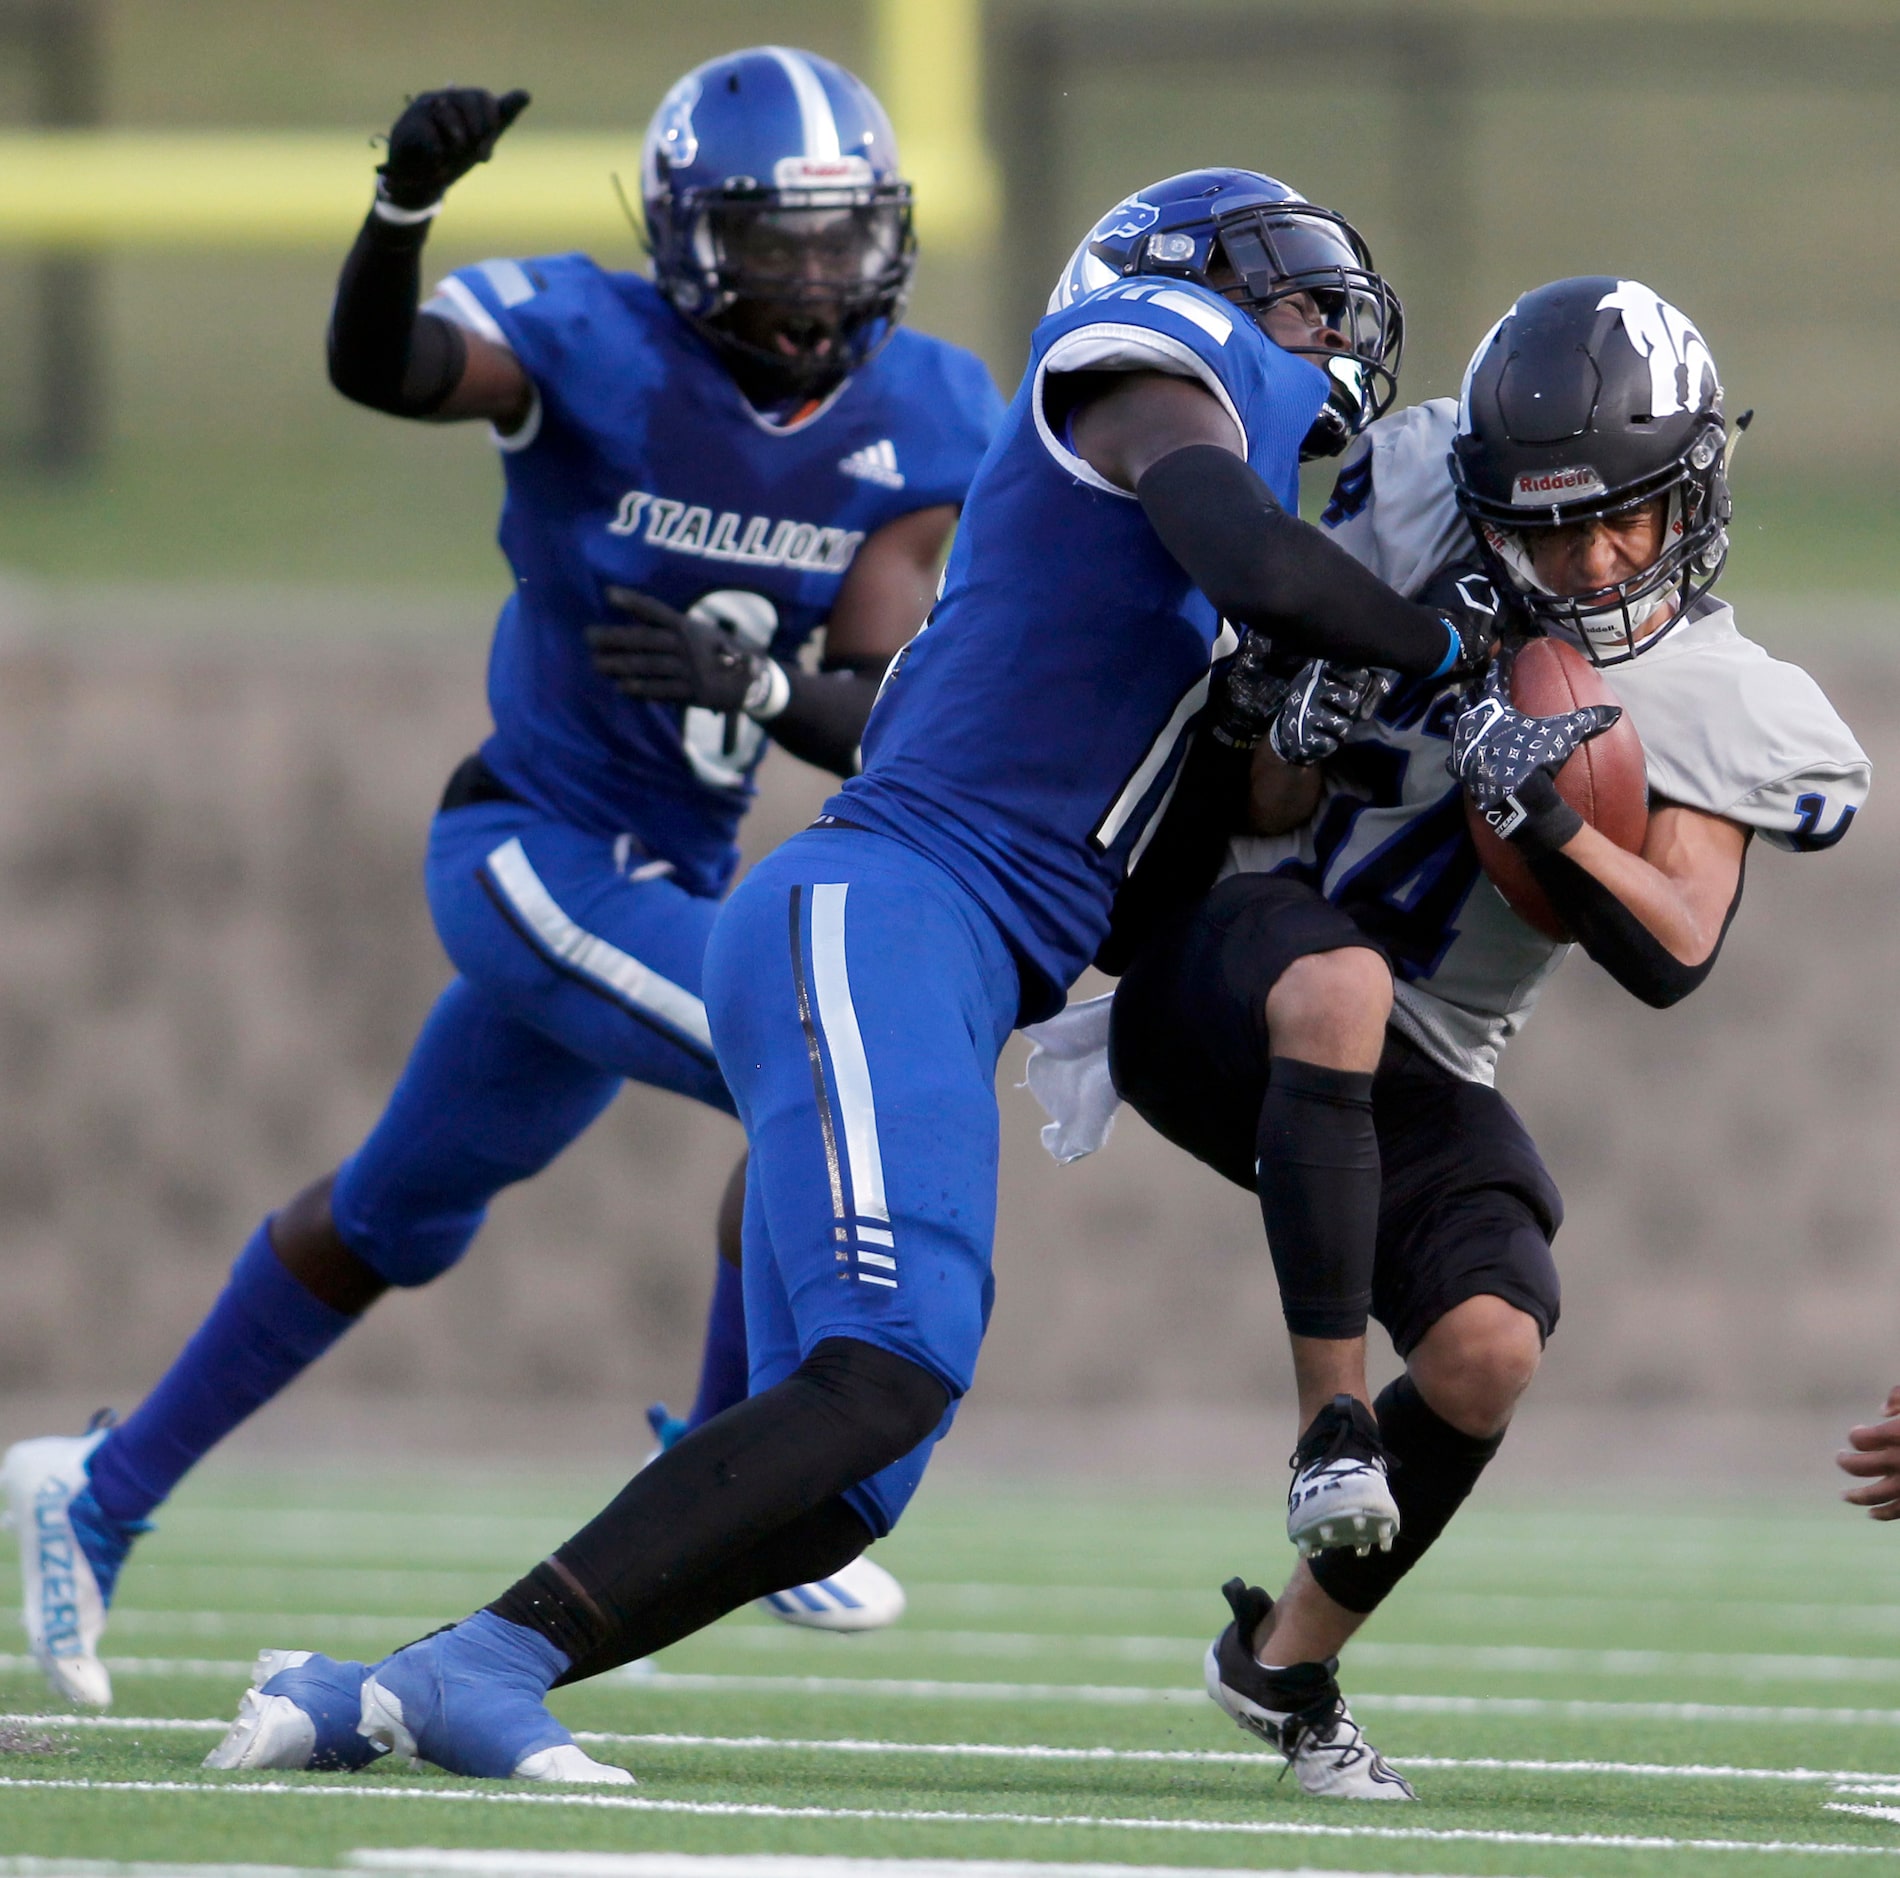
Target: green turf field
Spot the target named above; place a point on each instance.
(1577, 1691)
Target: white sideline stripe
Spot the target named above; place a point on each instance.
(1529, 1659)
(590, 954)
(430, 1862)
(731, 1809)
(1105, 1694)
(1841, 1779)
(1526, 1659)
(245, 1623)
(787, 1865)
(838, 1019)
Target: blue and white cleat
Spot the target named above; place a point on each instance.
(302, 1712)
(862, 1596)
(70, 1555)
(469, 1701)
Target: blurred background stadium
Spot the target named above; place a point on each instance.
(244, 625)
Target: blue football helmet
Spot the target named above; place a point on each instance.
(778, 223)
(1257, 243)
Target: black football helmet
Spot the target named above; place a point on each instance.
(1590, 397)
(1255, 242)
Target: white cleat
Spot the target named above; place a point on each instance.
(299, 1714)
(863, 1596)
(1340, 1494)
(61, 1603)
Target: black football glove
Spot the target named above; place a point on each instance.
(1321, 707)
(1247, 696)
(1508, 761)
(1470, 605)
(669, 657)
(440, 137)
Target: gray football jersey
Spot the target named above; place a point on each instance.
(1725, 728)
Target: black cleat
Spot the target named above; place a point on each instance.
(1298, 1710)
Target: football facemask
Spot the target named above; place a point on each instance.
(1298, 252)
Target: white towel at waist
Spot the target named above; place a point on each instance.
(1067, 1073)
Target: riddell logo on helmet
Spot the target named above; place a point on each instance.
(1537, 489)
(806, 172)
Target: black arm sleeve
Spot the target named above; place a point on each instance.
(823, 721)
(383, 353)
(1186, 851)
(1614, 936)
(1267, 569)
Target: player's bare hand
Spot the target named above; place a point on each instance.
(1872, 1454)
(440, 137)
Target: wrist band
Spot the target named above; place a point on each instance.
(386, 211)
(769, 693)
(1453, 653)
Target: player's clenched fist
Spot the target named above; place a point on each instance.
(1872, 1454)
(440, 137)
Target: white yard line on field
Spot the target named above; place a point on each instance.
(785, 1865)
(1843, 1780)
(1508, 1659)
(1103, 1694)
(710, 1809)
(432, 1862)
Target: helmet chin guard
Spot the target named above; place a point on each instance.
(1588, 399)
(1256, 243)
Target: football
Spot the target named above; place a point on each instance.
(1605, 781)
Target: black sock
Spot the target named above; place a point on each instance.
(1434, 1468)
(812, 1546)
(673, 1542)
(1318, 1180)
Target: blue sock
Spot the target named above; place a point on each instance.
(510, 1653)
(264, 1331)
(722, 1369)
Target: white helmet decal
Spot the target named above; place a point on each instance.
(1679, 360)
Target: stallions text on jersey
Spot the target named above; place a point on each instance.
(642, 465)
(1028, 737)
(1725, 729)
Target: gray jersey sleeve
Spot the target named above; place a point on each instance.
(1391, 507)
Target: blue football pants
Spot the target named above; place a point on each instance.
(860, 999)
(579, 966)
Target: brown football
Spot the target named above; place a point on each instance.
(1604, 781)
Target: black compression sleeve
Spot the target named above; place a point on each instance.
(383, 353)
(823, 720)
(1264, 568)
(1614, 936)
(1184, 856)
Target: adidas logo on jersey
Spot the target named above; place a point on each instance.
(727, 535)
(875, 463)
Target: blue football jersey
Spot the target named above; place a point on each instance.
(642, 465)
(1028, 737)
